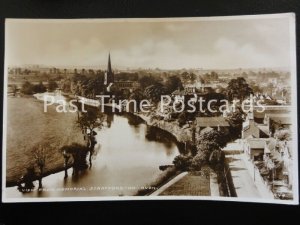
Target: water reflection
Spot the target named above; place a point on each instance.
(125, 161)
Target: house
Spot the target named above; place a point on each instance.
(281, 154)
(199, 87)
(276, 121)
(255, 148)
(259, 116)
(217, 123)
(254, 130)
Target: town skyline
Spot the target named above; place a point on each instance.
(116, 67)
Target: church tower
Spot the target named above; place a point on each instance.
(109, 75)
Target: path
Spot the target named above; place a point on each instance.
(243, 182)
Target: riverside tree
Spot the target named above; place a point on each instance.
(88, 121)
(40, 159)
(79, 153)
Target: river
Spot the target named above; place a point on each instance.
(125, 161)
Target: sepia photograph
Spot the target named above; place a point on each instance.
(201, 108)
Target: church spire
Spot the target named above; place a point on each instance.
(109, 70)
(109, 75)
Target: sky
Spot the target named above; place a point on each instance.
(166, 44)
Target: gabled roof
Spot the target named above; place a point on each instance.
(212, 121)
(264, 129)
(251, 130)
(257, 143)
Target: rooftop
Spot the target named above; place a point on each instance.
(257, 143)
(282, 110)
(212, 121)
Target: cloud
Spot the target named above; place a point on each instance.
(171, 45)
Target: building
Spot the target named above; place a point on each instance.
(260, 116)
(255, 148)
(109, 74)
(253, 130)
(127, 85)
(277, 121)
(110, 83)
(217, 123)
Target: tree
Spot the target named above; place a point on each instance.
(199, 160)
(27, 179)
(146, 81)
(39, 88)
(173, 83)
(94, 86)
(14, 89)
(182, 118)
(40, 157)
(217, 159)
(27, 88)
(255, 87)
(91, 120)
(209, 146)
(211, 76)
(211, 140)
(78, 153)
(138, 96)
(216, 103)
(66, 86)
(154, 92)
(52, 85)
(67, 155)
(238, 88)
(235, 120)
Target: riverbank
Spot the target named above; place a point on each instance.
(182, 134)
(28, 126)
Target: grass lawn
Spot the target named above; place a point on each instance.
(192, 184)
(28, 126)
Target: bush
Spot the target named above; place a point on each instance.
(29, 89)
(183, 162)
(200, 160)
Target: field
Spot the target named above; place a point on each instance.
(27, 127)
